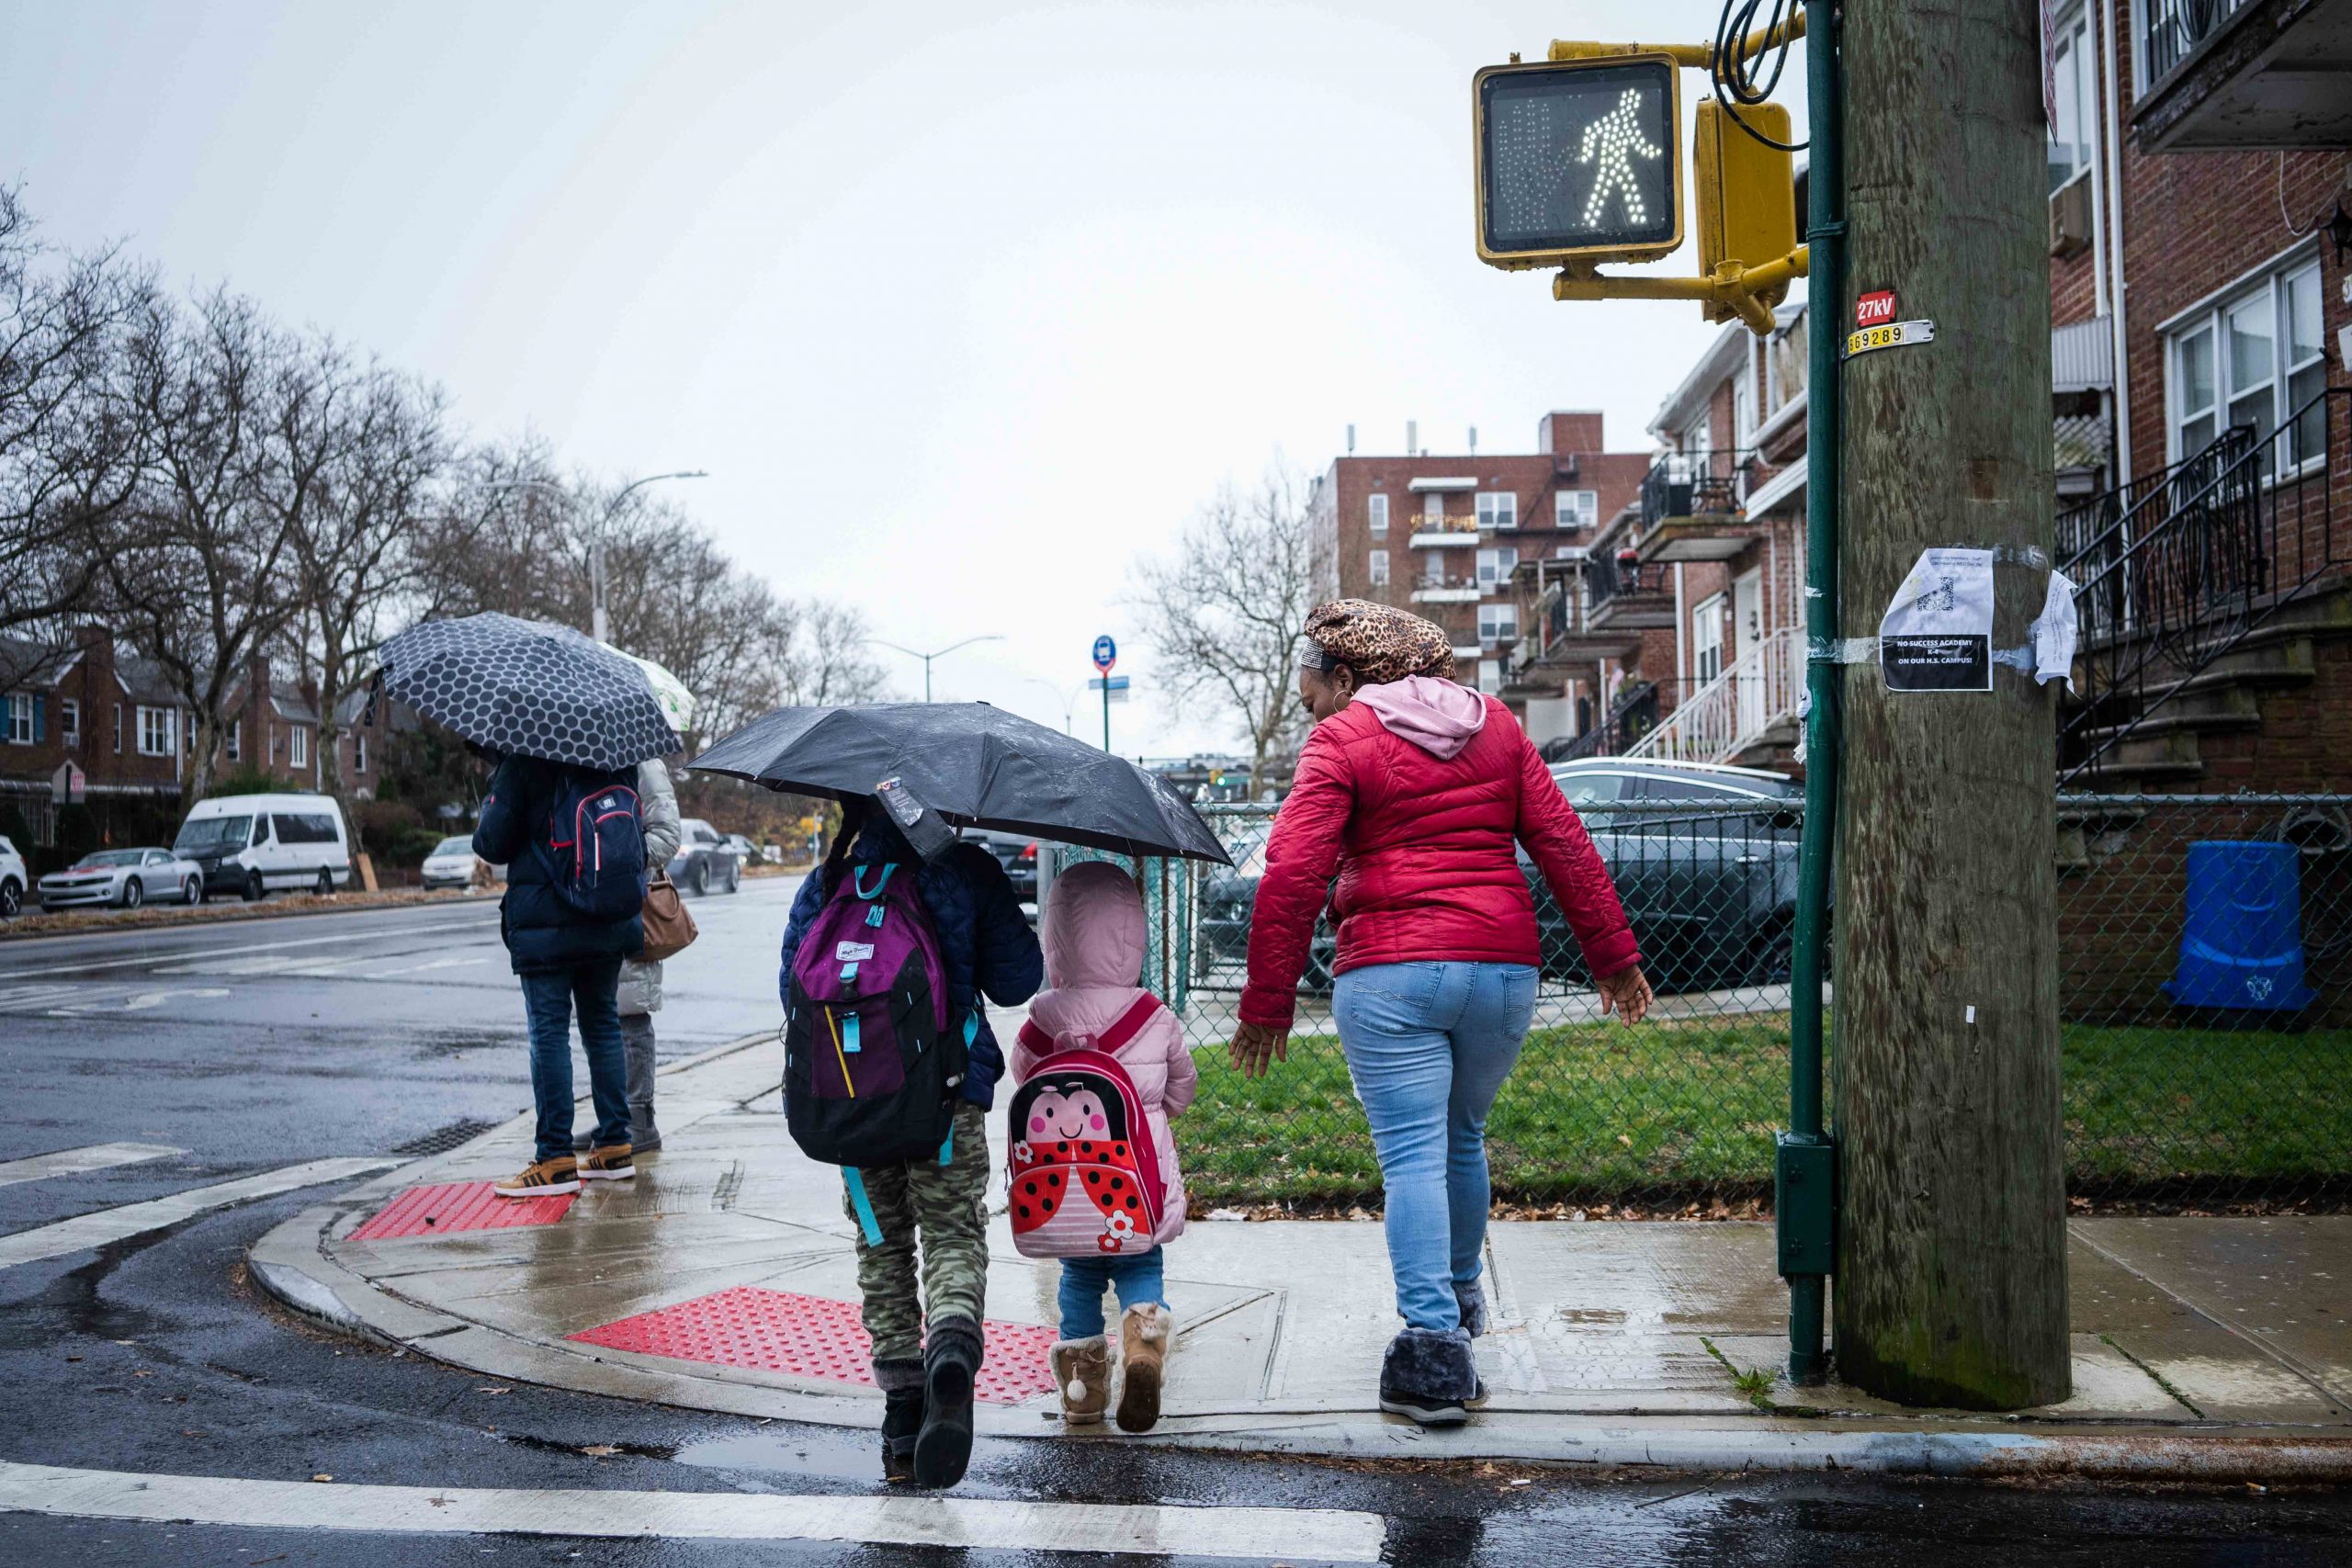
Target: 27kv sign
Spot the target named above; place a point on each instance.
(1577, 161)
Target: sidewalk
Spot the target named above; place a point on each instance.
(720, 1280)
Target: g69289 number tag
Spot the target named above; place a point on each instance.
(1895, 334)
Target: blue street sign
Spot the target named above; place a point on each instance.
(1106, 653)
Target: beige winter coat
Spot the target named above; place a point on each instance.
(657, 798)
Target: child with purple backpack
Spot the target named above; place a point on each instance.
(890, 1068)
(1101, 1066)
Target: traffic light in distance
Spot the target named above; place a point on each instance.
(1577, 161)
(1746, 191)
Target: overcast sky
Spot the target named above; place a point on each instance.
(962, 306)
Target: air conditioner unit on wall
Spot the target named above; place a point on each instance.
(2070, 219)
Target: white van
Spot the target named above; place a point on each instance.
(251, 843)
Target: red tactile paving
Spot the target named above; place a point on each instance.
(809, 1336)
(458, 1206)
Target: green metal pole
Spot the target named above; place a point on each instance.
(1806, 1170)
(1106, 710)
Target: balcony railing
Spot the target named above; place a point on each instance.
(2175, 569)
(1694, 484)
(2177, 27)
(1631, 716)
(1611, 578)
(1714, 723)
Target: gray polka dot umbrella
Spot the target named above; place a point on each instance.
(532, 689)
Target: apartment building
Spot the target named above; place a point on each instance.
(1452, 536)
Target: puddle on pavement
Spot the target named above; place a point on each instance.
(848, 1454)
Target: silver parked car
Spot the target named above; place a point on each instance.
(451, 863)
(126, 878)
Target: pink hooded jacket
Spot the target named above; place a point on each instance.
(1092, 930)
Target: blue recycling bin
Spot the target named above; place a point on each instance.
(2243, 945)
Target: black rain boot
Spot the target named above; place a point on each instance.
(1428, 1376)
(902, 1386)
(952, 1354)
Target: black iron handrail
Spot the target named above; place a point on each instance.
(1688, 484)
(2175, 569)
(1631, 716)
(2177, 27)
(1608, 577)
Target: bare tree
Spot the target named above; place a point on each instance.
(69, 436)
(1227, 612)
(352, 454)
(207, 583)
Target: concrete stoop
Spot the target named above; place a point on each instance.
(2207, 1349)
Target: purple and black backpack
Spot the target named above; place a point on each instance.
(871, 1068)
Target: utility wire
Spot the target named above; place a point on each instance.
(1735, 77)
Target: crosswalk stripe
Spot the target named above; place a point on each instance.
(1326, 1535)
(136, 1219)
(75, 1162)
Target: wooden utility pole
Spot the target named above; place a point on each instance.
(1951, 1283)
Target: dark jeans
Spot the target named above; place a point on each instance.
(547, 1001)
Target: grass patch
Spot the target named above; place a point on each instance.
(1597, 1112)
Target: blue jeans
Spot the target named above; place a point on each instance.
(1137, 1274)
(548, 1001)
(1427, 1046)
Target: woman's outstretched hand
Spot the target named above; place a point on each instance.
(1627, 994)
(1254, 1044)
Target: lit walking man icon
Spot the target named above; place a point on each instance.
(1616, 137)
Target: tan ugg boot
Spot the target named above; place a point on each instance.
(1144, 1334)
(1082, 1371)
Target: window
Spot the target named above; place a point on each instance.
(236, 739)
(21, 718)
(1671, 788)
(1433, 509)
(1378, 563)
(1376, 510)
(2254, 359)
(358, 753)
(158, 731)
(117, 729)
(1495, 564)
(1586, 789)
(1497, 623)
(1784, 364)
(297, 748)
(69, 720)
(1490, 675)
(1743, 405)
(2077, 104)
(1707, 637)
(1498, 509)
(1575, 508)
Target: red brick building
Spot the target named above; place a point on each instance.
(116, 716)
(1453, 537)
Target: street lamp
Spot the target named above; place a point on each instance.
(1068, 698)
(600, 625)
(935, 653)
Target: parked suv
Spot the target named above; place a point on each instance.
(13, 877)
(705, 859)
(1705, 862)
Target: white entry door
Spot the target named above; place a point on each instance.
(1748, 635)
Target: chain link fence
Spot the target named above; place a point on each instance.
(2218, 1075)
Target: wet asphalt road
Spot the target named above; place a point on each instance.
(254, 1045)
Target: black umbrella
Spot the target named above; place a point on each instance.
(977, 766)
(531, 688)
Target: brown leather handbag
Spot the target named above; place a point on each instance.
(668, 928)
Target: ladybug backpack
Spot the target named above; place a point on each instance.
(1083, 1179)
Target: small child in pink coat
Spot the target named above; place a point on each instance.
(1092, 930)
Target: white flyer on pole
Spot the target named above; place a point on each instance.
(1938, 635)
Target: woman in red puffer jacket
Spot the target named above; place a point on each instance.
(1414, 789)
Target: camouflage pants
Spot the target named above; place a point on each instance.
(943, 1205)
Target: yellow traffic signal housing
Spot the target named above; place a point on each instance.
(1746, 194)
(1577, 161)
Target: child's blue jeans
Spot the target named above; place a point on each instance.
(1138, 1276)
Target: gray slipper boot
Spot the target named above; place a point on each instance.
(1428, 1376)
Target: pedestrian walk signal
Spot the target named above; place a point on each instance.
(1577, 161)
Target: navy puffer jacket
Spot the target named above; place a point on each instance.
(984, 940)
(543, 933)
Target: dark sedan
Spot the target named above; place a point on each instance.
(1228, 895)
(705, 860)
(1705, 863)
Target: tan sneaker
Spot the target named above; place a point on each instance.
(549, 1177)
(1143, 1347)
(614, 1162)
(1082, 1370)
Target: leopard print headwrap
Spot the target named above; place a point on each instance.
(1379, 642)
